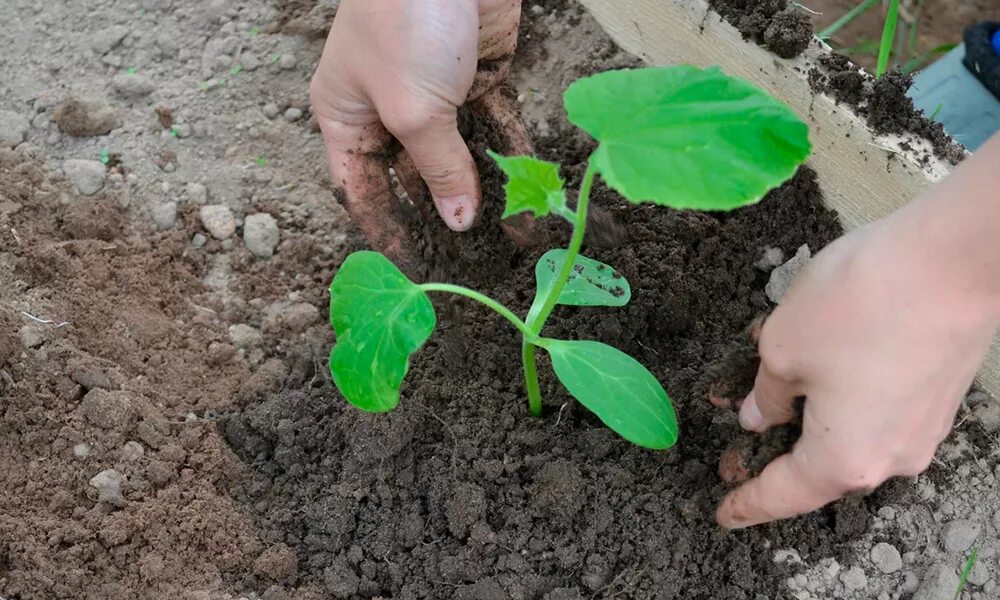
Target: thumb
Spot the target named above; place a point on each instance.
(445, 163)
(770, 403)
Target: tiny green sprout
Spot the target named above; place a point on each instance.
(888, 39)
(275, 58)
(203, 86)
(681, 137)
(173, 131)
(236, 70)
(261, 161)
(969, 564)
(131, 70)
(105, 156)
(255, 30)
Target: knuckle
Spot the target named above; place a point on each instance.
(857, 471)
(407, 123)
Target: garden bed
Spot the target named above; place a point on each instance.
(247, 473)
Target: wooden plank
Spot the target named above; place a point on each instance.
(864, 177)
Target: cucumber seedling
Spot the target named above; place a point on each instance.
(678, 136)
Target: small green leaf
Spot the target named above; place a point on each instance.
(236, 70)
(105, 156)
(616, 388)
(380, 318)
(687, 137)
(532, 185)
(261, 161)
(131, 70)
(590, 283)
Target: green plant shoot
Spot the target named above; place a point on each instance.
(888, 39)
(681, 137)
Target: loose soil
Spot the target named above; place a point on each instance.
(198, 372)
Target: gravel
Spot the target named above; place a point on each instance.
(940, 583)
(13, 129)
(133, 86)
(197, 193)
(132, 451)
(218, 220)
(164, 215)
(293, 114)
(854, 579)
(108, 484)
(886, 557)
(261, 235)
(86, 175)
(959, 535)
(988, 414)
(782, 276)
(271, 111)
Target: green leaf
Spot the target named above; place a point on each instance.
(590, 283)
(687, 137)
(532, 185)
(619, 390)
(380, 318)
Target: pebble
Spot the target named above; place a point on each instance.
(182, 130)
(976, 397)
(886, 557)
(197, 192)
(86, 175)
(979, 574)
(270, 110)
(30, 336)
(988, 414)
(782, 276)
(107, 409)
(910, 582)
(164, 215)
(107, 38)
(261, 235)
(958, 535)
(13, 129)
(132, 85)
(86, 116)
(770, 258)
(81, 450)
(940, 583)
(287, 62)
(198, 240)
(887, 512)
(854, 579)
(108, 484)
(293, 114)
(218, 220)
(132, 451)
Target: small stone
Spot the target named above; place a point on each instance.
(218, 220)
(108, 484)
(30, 336)
(276, 563)
(297, 316)
(164, 215)
(261, 235)
(910, 582)
(988, 415)
(287, 62)
(977, 397)
(197, 192)
(86, 175)
(959, 535)
(107, 409)
(108, 38)
(132, 451)
(198, 240)
(293, 114)
(244, 336)
(181, 130)
(85, 116)
(13, 129)
(132, 85)
(536, 9)
(887, 512)
(940, 583)
(270, 110)
(854, 579)
(782, 276)
(886, 557)
(909, 558)
(979, 574)
(770, 258)
(81, 450)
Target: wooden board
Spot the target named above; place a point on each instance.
(864, 177)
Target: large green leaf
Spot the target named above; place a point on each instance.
(590, 283)
(532, 185)
(616, 388)
(380, 318)
(687, 137)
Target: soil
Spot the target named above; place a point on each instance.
(197, 372)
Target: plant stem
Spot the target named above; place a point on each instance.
(847, 18)
(888, 37)
(572, 251)
(502, 310)
(531, 378)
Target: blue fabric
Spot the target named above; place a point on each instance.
(996, 41)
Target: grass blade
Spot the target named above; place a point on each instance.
(849, 16)
(888, 38)
(965, 572)
(919, 61)
(937, 109)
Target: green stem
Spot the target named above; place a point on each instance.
(531, 379)
(502, 310)
(572, 251)
(847, 18)
(888, 38)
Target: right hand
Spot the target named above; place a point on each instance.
(401, 69)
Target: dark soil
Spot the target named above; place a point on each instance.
(774, 24)
(460, 494)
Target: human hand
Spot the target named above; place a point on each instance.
(883, 339)
(398, 69)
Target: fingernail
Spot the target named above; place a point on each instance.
(750, 417)
(458, 212)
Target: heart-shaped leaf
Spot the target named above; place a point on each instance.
(619, 390)
(590, 283)
(380, 318)
(532, 185)
(687, 137)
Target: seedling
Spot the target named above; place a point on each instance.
(969, 564)
(677, 136)
(888, 38)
